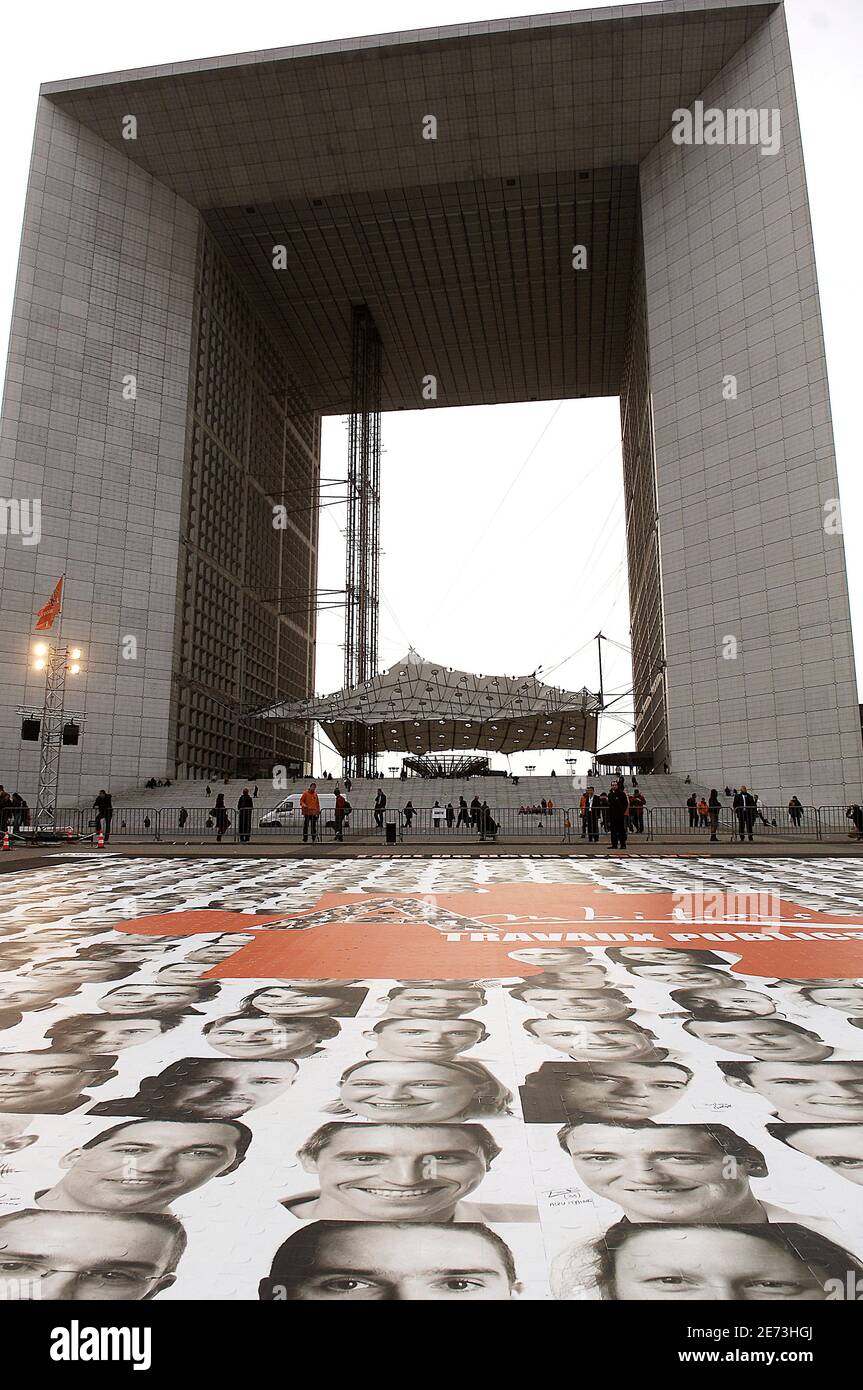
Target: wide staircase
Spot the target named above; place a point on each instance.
(501, 793)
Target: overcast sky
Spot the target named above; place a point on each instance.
(502, 528)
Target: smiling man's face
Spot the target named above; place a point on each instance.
(761, 1038)
(143, 1167)
(590, 1038)
(261, 1037)
(671, 1173)
(434, 1003)
(397, 1172)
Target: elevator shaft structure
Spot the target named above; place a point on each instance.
(362, 561)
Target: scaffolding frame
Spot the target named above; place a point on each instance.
(362, 552)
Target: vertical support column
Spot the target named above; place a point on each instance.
(362, 559)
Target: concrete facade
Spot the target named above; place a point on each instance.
(759, 656)
(552, 131)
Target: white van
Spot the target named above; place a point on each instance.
(289, 810)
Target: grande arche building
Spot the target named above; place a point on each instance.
(152, 257)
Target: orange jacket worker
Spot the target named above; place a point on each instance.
(311, 808)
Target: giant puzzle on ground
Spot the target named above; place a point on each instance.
(438, 1079)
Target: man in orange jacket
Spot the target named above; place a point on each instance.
(311, 808)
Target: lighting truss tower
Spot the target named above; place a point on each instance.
(363, 530)
(51, 734)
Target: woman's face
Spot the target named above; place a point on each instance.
(286, 1001)
(407, 1092)
(700, 1263)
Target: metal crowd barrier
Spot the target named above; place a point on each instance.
(196, 825)
(762, 822)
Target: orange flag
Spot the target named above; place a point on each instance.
(46, 615)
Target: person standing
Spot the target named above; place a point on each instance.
(182, 818)
(310, 806)
(714, 806)
(450, 815)
(692, 803)
(104, 808)
(245, 806)
(703, 810)
(475, 807)
(380, 807)
(744, 808)
(618, 813)
(463, 817)
(590, 815)
(409, 814)
(339, 815)
(438, 815)
(487, 823)
(795, 812)
(220, 816)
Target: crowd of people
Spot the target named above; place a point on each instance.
(14, 811)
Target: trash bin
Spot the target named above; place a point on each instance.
(391, 832)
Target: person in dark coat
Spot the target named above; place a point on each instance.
(220, 816)
(590, 816)
(245, 805)
(463, 817)
(692, 803)
(380, 807)
(714, 806)
(104, 808)
(744, 808)
(618, 815)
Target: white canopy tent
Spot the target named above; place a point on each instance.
(420, 706)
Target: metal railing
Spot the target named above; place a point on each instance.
(760, 822)
(658, 824)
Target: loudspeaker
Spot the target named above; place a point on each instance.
(71, 732)
(30, 729)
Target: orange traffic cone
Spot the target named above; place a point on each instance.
(6, 844)
(100, 843)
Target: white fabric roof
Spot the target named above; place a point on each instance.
(421, 706)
